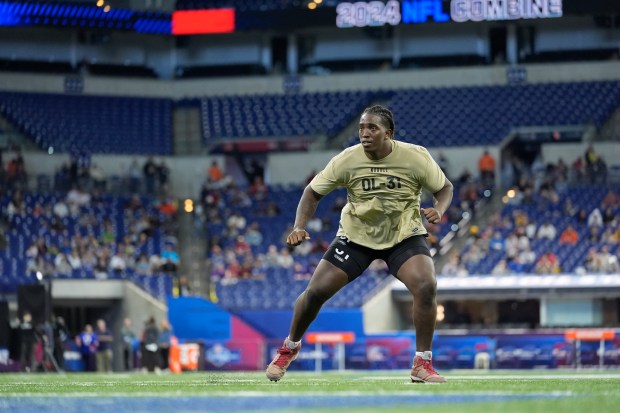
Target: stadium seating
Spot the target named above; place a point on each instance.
(484, 115)
(570, 257)
(284, 284)
(92, 124)
(25, 229)
(261, 116)
(431, 117)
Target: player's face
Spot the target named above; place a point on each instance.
(374, 136)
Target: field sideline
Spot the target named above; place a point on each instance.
(538, 391)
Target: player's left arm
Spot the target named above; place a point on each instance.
(441, 203)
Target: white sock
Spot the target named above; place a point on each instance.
(426, 355)
(292, 344)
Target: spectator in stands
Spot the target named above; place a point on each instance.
(168, 206)
(548, 263)
(443, 163)
(527, 256)
(258, 189)
(473, 255)
(216, 255)
(595, 218)
(497, 242)
(133, 175)
(215, 172)
(360, 240)
(578, 170)
(501, 268)
(569, 209)
(255, 169)
(609, 216)
(610, 236)
(591, 159)
(61, 209)
(233, 272)
(185, 289)
(454, 267)
(569, 236)
(118, 262)
(61, 264)
(16, 205)
(547, 231)
(76, 199)
(241, 247)
(608, 261)
(253, 236)
(273, 210)
(560, 186)
(611, 200)
(143, 267)
(17, 176)
(516, 266)
(163, 176)
(592, 262)
(486, 167)
(170, 259)
(560, 170)
(101, 267)
(3, 240)
(530, 229)
(285, 259)
(235, 224)
(594, 234)
(582, 216)
(315, 224)
(547, 192)
(97, 177)
(301, 272)
(149, 171)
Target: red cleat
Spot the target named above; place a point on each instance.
(277, 368)
(423, 372)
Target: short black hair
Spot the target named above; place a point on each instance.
(385, 114)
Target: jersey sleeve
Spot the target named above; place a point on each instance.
(434, 178)
(327, 180)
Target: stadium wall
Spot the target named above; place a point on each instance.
(609, 151)
(189, 172)
(399, 79)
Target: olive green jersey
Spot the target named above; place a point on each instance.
(383, 196)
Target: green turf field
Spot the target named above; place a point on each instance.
(357, 391)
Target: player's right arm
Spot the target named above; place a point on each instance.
(305, 210)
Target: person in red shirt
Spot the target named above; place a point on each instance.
(569, 236)
(486, 166)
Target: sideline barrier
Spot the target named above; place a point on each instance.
(579, 335)
(338, 339)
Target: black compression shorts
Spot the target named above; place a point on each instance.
(353, 258)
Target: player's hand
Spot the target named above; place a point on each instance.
(432, 215)
(297, 236)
